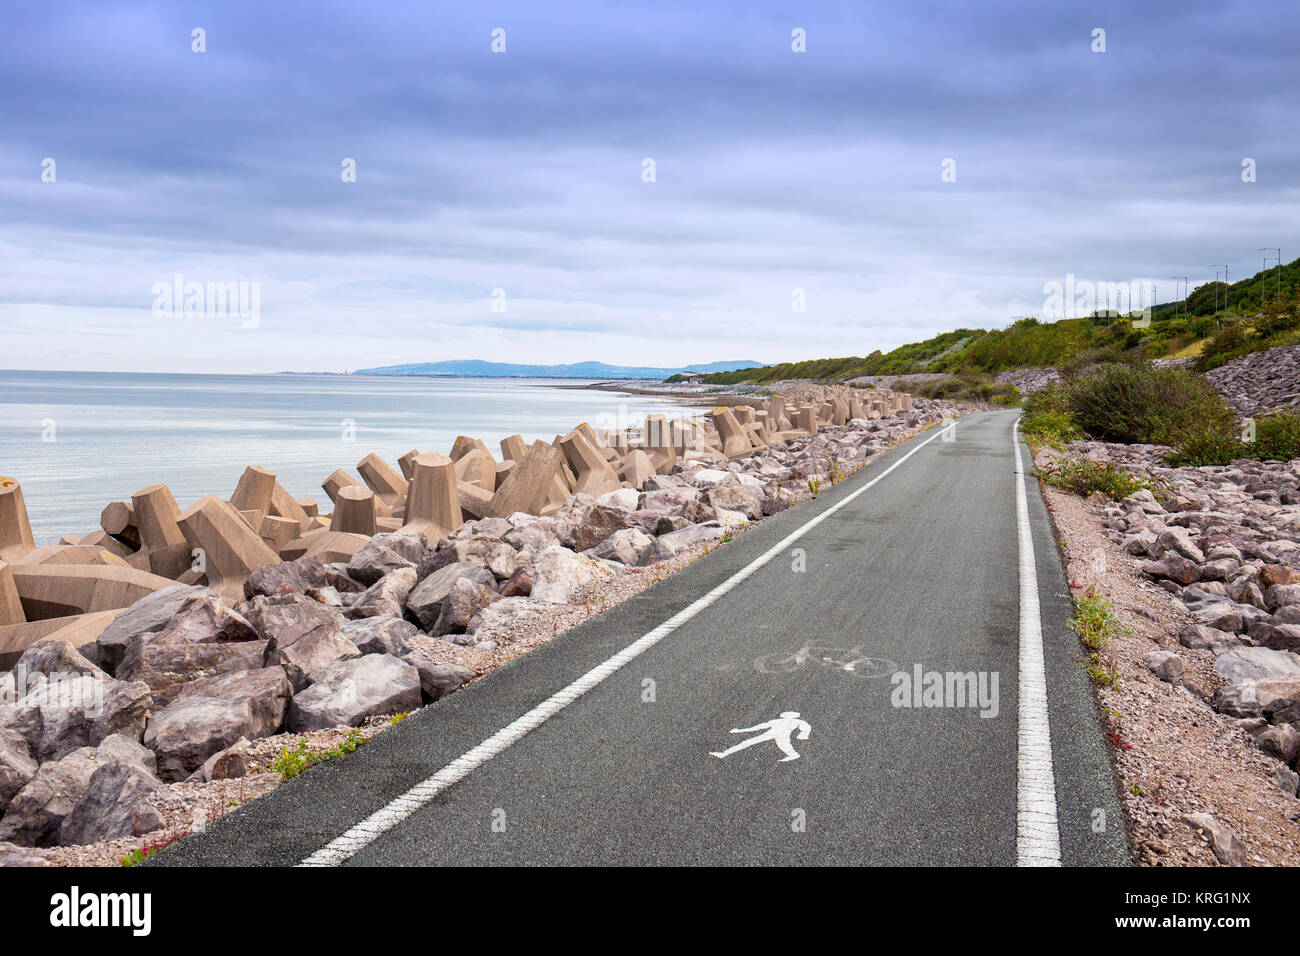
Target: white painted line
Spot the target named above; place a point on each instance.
(369, 829)
(1038, 839)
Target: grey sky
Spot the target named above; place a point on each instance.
(522, 171)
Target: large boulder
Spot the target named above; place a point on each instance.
(381, 635)
(386, 597)
(598, 524)
(302, 574)
(480, 551)
(437, 679)
(630, 547)
(115, 806)
(37, 811)
(58, 715)
(347, 692)
(734, 494)
(530, 535)
(465, 599)
(559, 572)
(283, 619)
(325, 645)
(386, 553)
(17, 765)
(213, 713)
(679, 541)
(150, 613)
(426, 598)
(167, 668)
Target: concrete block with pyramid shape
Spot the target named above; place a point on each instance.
(776, 415)
(118, 520)
(278, 532)
(15, 530)
(513, 448)
(735, 441)
(592, 470)
(474, 501)
(253, 493)
(326, 546)
(228, 549)
(284, 505)
(11, 607)
(464, 444)
(384, 480)
(79, 630)
(636, 469)
(355, 511)
(596, 442)
(102, 539)
(162, 543)
(61, 590)
(406, 464)
(657, 441)
(805, 420)
(477, 467)
(433, 501)
(529, 485)
(340, 479)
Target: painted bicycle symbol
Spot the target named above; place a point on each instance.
(852, 660)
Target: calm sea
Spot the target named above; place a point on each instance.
(78, 440)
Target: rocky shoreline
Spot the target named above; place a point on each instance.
(156, 656)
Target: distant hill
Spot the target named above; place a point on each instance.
(477, 368)
(1033, 343)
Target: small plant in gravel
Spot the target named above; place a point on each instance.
(292, 763)
(1082, 477)
(146, 850)
(1094, 622)
(813, 485)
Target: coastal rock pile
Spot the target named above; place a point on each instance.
(1226, 542)
(1261, 382)
(153, 650)
(1028, 380)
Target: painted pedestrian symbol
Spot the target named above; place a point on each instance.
(779, 731)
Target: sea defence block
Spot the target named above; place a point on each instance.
(805, 420)
(309, 506)
(118, 520)
(464, 444)
(229, 550)
(636, 469)
(528, 486)
(657, 441)
(735, 441)
(355, 511)
(62, 590)
(776, 415)
(79, 630)
(594, 475)
(595, 441)
(102, 539)
(72, 554)
(277, 531)
(477, 467)
(162, 542)
(502, 473)
(839, 411)
(407, 463)
(905, 402)
(433, 506)
(474, 501)
(326, 546)
(15, 530)
(383, 479)
(11, 607)
(284, 505)
(253, 493)
(513, 448)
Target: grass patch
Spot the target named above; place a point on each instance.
(1094, 622)
(1082, 477)
(293, 763)
(1277, 438)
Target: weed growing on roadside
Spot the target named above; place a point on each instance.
(292, 763)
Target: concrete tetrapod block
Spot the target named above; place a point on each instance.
(253, 493)
(477, 467)
(529, 484)
(503, 470)
(326, 546)
(657, 441)
(340, 479)
(383, 479)
(310, 507)
(11, 606)
(102, 539)
(277, 531)
(161, 538)
(595, 477)
(776, 414)
(433, 506)
(596, 442)
(284, 505)
(839, 411)
(513, 448)
(474, 501)
(568, 477)
(805, 420)
(743, 414)
(735, 440)
(79, 630)
(118, 521)
(636, 469)
(62, 590)
(464, 444)
(15, 530)
(229, 550)
(72, 554)
(355, 511)
(407, 463)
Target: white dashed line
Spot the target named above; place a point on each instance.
(368, 830)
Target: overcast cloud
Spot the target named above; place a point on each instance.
(522, 171)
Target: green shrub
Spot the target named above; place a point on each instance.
(1048, 419)
(1082, 476)
(1277, 438)
(1209, 446)
(1142, 404)
(292, 763)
